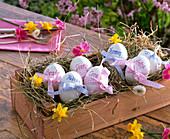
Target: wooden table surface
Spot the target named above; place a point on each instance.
(9, 61)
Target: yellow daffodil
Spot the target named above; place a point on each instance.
(135, 125)
(59, 112)
(31, 27)
(114, 39)
(36, 81)
(46, 25)
(137, 134)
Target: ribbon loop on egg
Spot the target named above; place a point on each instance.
(137, 75)
(107, 58)
(70, 86)
(56, 78)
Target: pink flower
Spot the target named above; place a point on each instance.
(60, 24)
(131, 13)
(166, 133)
(20, 33)
(24, 3)
(139, 9)
(166, 72)
(82, 49)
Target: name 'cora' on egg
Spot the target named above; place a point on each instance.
(72, 78)
(54, 72)
(81, 65)
(96, 80)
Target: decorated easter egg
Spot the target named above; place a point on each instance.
(73, 78)
(54, 72)
(117, 51)
(155, 60)
(81, 65)
(141, 64)
(93, 79)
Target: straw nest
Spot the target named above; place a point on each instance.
(133, 42)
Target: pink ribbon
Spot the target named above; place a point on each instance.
(50, 81)
(103, 84)
(83, 72)
(137, 75)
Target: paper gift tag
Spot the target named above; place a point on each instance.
(81, 65)
(70, 77)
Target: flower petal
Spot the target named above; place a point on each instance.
(167, 66)
(165, 71)
(166, 76)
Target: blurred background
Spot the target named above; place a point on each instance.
(106, 15)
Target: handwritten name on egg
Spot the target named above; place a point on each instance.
(139, 64)
(51, 73)
(81, 67)
(95, 75)
(112, 51)
(72, 78)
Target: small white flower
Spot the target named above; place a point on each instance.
(139, 90)
(36, 33)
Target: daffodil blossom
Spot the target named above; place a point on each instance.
(139, 90)
(36, 81)
(137, 134)
(59, 112)
(131, 127)
(46, 25)
(31, 27)
(115, 39)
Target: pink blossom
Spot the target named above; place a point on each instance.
(81, 50)
(131, 13)
(166, 72)
(166, 133)
(138, 9)
(20, 33)
(60, 24)
(145, 1)
(133, 1)
(120, 12)
(24, 3)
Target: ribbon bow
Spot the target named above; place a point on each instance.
(50, 81)
(70, 86)
(155, 56)
(103, 84)
(107, 58)
(84, 72)
(137, 75)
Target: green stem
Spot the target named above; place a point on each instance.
(151, 134)
(11, 22)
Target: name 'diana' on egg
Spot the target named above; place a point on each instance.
(81, 67)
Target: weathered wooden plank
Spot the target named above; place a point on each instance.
(162, 114)
(119, 131)
(8, 120)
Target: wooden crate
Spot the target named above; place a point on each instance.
(97, 115)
